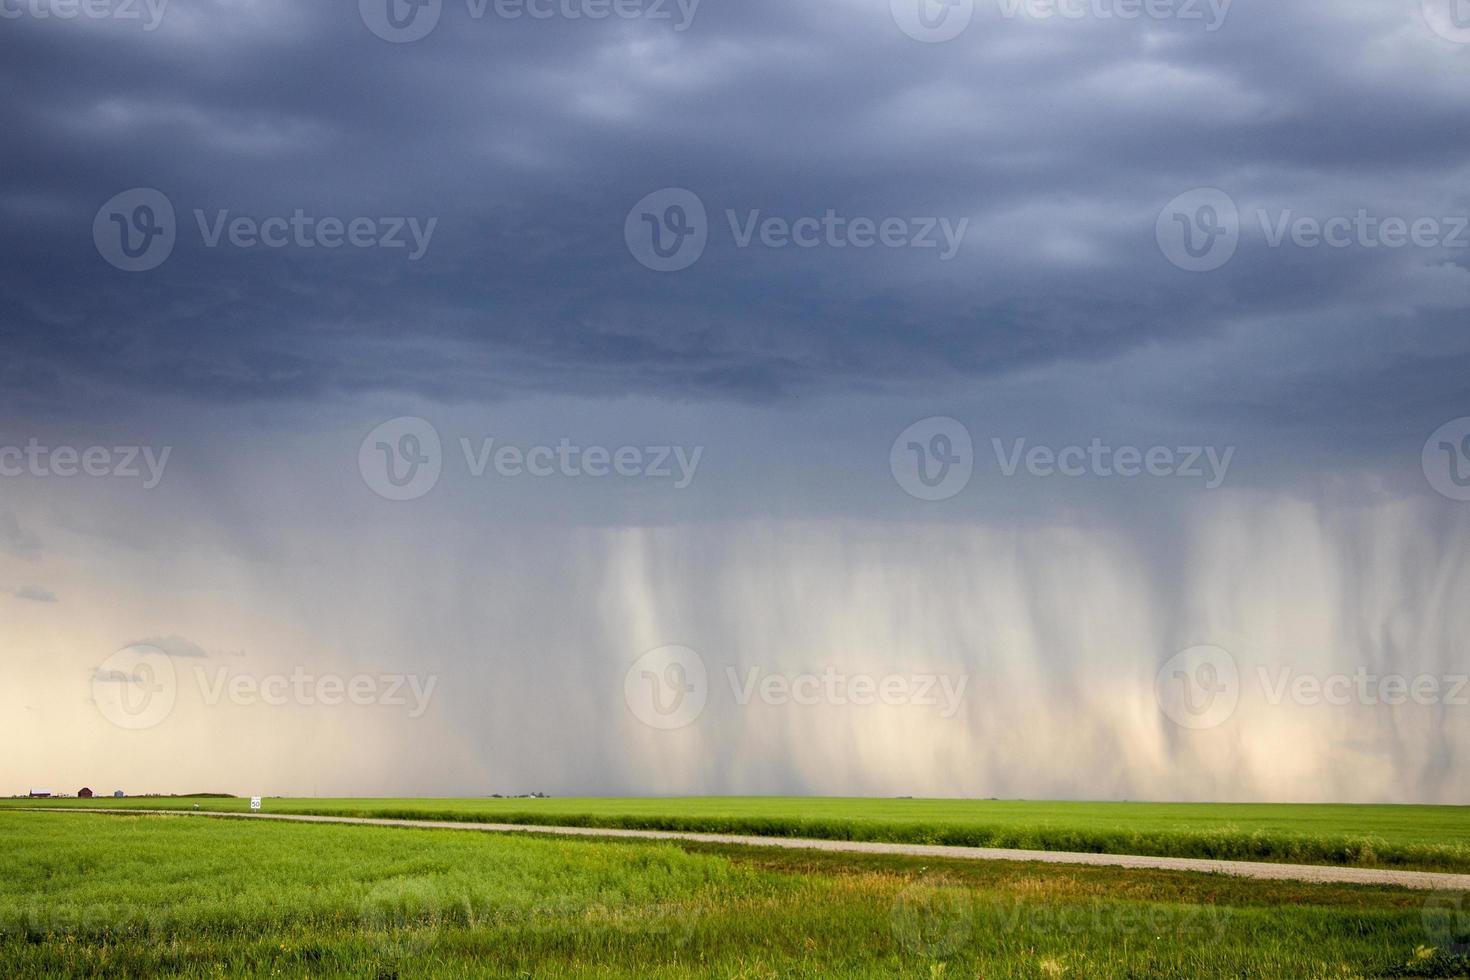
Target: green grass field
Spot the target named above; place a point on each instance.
(137, 895)
(1411, 837)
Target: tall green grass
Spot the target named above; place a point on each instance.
(133, 896)
(1404, 837)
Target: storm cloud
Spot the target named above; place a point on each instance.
(278, 245)
(1059, 140)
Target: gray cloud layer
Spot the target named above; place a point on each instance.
(528, 320)
(530, 140)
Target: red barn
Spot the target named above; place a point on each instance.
(84, 793)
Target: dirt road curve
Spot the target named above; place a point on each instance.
(1244, 869)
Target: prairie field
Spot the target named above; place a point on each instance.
(1432, 838)
(144, 895)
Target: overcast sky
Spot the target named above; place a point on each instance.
(491, 350)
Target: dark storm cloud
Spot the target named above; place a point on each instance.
(529, 141)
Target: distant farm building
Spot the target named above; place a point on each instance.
(119, 794)
(40, 794)
(84, 793)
